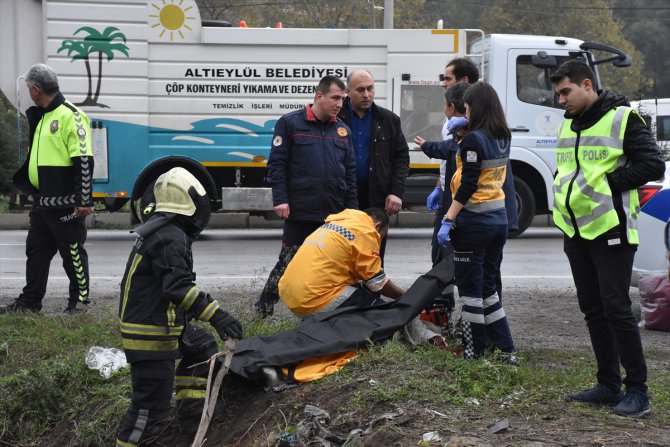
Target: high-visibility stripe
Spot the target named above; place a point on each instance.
(190, 394)
(126, 291)
(140, 425)
(472, 302)
(485, 206)
(209, 311)
(150, 345)
(472, 317)
(494, 163)
(494, 316)
(492, 300)
(587, 141)
(190, 381)
(120, 443)
(153, 330)
(171, 314)
(189, 299)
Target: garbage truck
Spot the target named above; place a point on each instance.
(164, 88)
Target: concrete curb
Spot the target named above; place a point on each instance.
(119, 221)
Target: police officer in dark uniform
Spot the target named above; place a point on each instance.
(57, 172)
(159, 298)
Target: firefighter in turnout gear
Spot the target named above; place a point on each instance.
(57, 172)
(159, 298)
(605, 151)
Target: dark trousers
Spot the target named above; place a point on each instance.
(153, 381)
(295, 233)
(363, 204)
(148, 415)
(602, 276)
(477, 254)
(54, 231)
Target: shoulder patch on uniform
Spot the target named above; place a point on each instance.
(277, 141)
(54, 126)
(342, 131)
(471, 156)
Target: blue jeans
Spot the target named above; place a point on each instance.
(478, 251)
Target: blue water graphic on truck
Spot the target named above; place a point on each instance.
(132, 147)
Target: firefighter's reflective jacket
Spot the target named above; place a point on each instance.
(158, 292)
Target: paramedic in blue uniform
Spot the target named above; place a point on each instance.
(312, 171)
(476, 222)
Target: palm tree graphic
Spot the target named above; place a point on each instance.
(95, 42)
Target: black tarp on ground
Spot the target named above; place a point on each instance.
(342, 329)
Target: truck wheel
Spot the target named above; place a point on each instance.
(525, 202)
(113, 204)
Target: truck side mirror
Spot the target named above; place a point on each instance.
(543, 60)
(620, 59)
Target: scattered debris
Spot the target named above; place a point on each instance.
(431, 436)
(105, 360)
(500, 426)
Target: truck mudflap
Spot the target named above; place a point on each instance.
(246, 199)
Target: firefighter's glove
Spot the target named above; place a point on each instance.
(457, 124)
(443, 234)
(227, 326)
(433, 200)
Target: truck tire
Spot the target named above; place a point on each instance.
(525, 202)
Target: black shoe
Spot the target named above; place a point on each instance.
(74, 308)
(17, 306)
(634, 404)
(510, 359)
(598, 395)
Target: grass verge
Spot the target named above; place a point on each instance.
(49, 393)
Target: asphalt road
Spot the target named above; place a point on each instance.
(243, 259)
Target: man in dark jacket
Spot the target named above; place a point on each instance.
(382, 154)
(57, 172)
(312, 171)
(159, 298)
(604, 153)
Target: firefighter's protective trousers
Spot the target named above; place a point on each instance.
(148, 416)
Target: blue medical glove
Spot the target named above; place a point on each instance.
(443, 234)
(457, 123)
(433, 200)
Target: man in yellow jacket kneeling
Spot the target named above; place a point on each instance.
(339, 265)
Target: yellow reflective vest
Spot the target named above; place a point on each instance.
(583, 202)
(59, 165)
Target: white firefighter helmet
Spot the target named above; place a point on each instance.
(179, 192)
(172, 192)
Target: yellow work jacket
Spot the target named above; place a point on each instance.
(343, 252)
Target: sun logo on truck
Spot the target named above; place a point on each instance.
(172, 18)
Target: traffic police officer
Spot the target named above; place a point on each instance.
(57, 172)
(605, 151)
